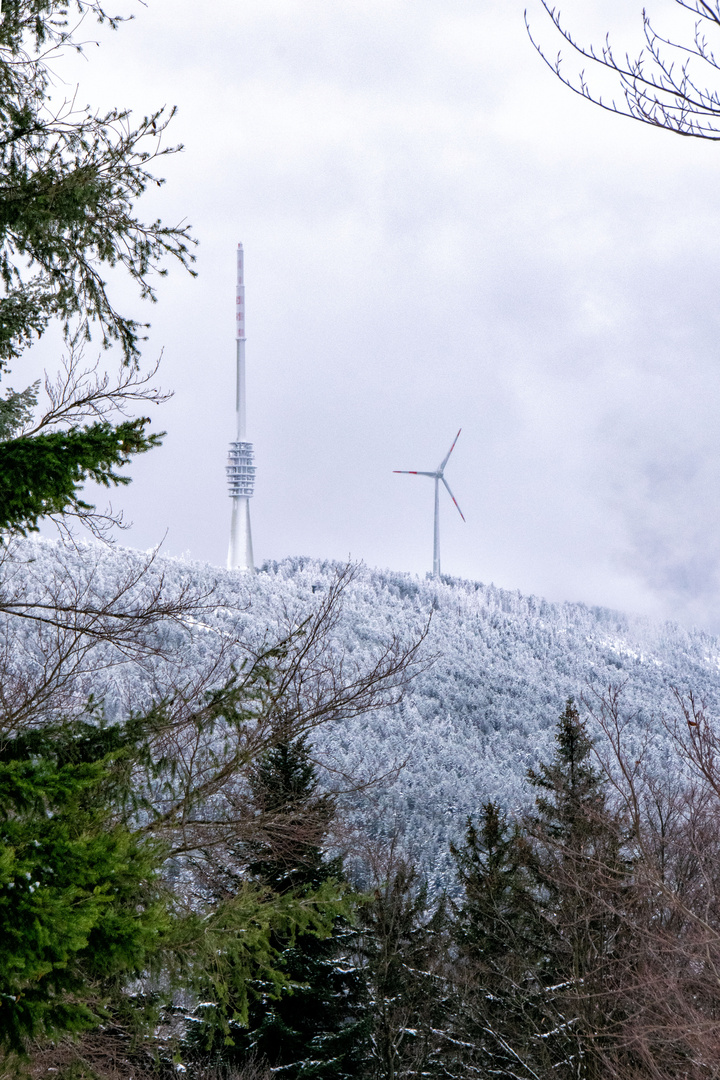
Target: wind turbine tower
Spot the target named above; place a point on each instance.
(438, 475)
(240, 468)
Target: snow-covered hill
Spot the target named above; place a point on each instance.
(471, 724)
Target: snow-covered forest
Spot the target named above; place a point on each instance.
(348, 823)
(496, 669)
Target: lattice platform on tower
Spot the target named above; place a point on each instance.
(240, 470)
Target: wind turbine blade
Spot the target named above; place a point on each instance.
(452, 496)
(445, 459)
(413, 472)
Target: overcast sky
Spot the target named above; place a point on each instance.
(437, 235)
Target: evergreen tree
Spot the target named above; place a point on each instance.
(497, 929)
(571, 799)
(403, 946)
(314, 1025)
(81, 905)
(69, 179)
(582, 876)
(43, 475)
(494, 921)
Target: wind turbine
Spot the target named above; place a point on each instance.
(438, 475)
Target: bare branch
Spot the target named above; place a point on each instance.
(80, 393)
(654, 89)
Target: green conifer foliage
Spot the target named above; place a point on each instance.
(69, 181)
(403, 944)
(494, 921)
(285, 793)
(571, 798)
(69, 178)
(498, 933)
(81, 906)
(44, 474)
(582, 876)
(313, 1026)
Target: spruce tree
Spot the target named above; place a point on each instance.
(315, 1027)
(69, 181)
(493, 921)
(82, 908)
(43, 475)
(497, 928)
(571, 799)
(581, 874)
(403, 946)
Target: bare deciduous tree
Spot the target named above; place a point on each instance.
(209, 713)
(667, 980)
(274, 692)
(659, 86)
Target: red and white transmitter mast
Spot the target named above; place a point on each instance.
(240, 468)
